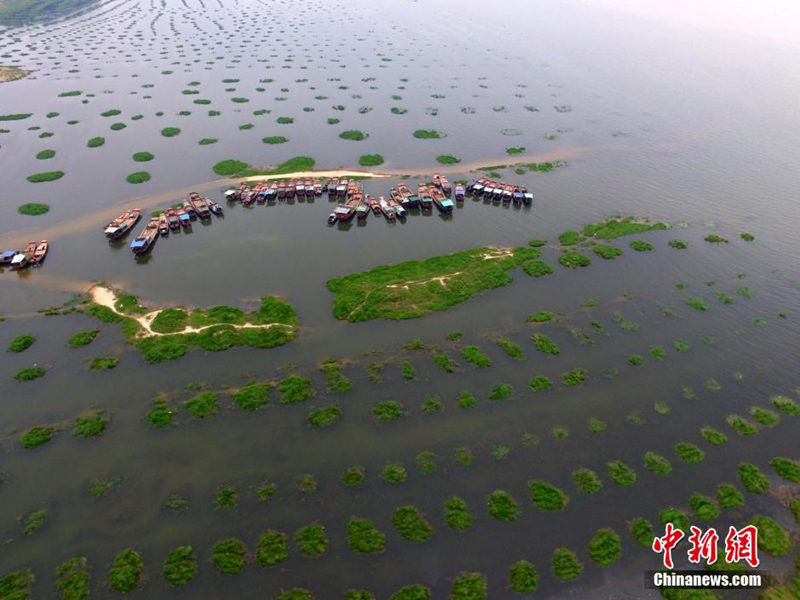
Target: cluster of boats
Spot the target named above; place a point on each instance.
(499, 191)
(173, 219)
(33, 254)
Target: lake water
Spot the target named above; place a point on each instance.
(679, 115)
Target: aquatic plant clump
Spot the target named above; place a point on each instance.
(574, 377)
(90, 425)
(772, 538)
(545, 344)
(103, 363)
(705, 509)
(656, 463)
(447, 159)
(161, 414)
(370, 160)
(394, 473)
(388, 410)
(253, 396)
(37, 436)
(728, 496)
(138, 177)
(72, 579)
(426, 134)
(546, 496)
(523, 577)
(574, 260)
(605, 547)
(411, 524)
(33, 209)
(180, 566)
(753, 479)
(363, 536)
(566, 565)
(170, 131)
(618, 227)
(689, 453)
(512, 349)
(272, 548)
(469, 586)
(203, 405)
(45, 176)
(353, 134)
(474, 355)
(537, 268)
(587, 480)
(456, 514)
(311, 540)
(325, 416)
(607, 251)
(228, 555)
(412, 592)
(620, 473)
(294, 389)
(502, 506)
(126, 571)
(21, 343)
(642, 531)
(786, 468)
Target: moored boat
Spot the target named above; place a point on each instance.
(230, 195)
(317, 188)
(310, 187)
(184, 218)
(527, 197)
(459, 193)
(163, 224)
(146, 238)
(214, 207)
(200, 205)
(444, 185)
(362, 210)
(386, 208)
(173, 220)
(189, 209)
(21, 260)
(442, 202)
(122, 224)
(40, 252)
(399, 210)
(7, 256)
(332, 218)
(341, 187)
(374, 205)
(424, 196)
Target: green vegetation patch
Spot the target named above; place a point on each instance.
(363, 536)
(474, 355)
(203, 405)
(786, 468)
(143, 156)
(45, 176)
(642, 531)
(607, 251)
(574, 260)
(574, 376)
(728, 496)
(336, 381)
(786, 405)
(537, 268)
(29, 374)
(353, 476)
(618, 227)
(208, 141)
(713, 238)
(126, 571)
(17, 585)
(388, 410)
(511, 348)
(411, 524)
(294, 389)
(21, 343)
(541, 316)
(766, 417)
(82, 338)
(605, 547)
(772, 538)
(689, 453)
(545, 344)
(72, 579)
(469, 586)
(170, 131)
(96, 142)
(35, 520)
(275, 139)
(138, 177)
(447, 159)
(696, 303)
(705, 508)
(566, 565)
(456, 514)
(353, 134)
(228, 556)
(180, 566)
(741, 425)
(33, 209)
(394, 473)
(161, 414)
(45, 154)
(620, 473)
(587, 480)
(311, 539)
(713, 436)
(272, 548)
(641, 246)
(103, 363)
(325, 416)
(412, 592)
(226, 497)
(370, 160)
(253, 396)
(502, 506)
(678, 244)
(15, 116)
(570, 238)
(36, 436)
(501, 391)
(523, 577)
(656, 463)
(90, 425)
(677, 517)
(425, 134)
(753, 479)
(546, 496)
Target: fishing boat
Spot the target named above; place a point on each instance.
(332, 218)
(387, 209)
(146, 238)
(444, 185)
(184, 218)
(163, 224)
(173, 220)
(39, 253)
(7, 256)
(331, 186)
(527, 197)
(424, 196)
(300, 188)
(397, 197)
(411, 199)
(341, 187)
(200, 205)
(442, 202)
(281, 190)
(21, 260)
(261, 195)
(374, 205)
(506, 193)
(317, 188)
(459, 193)
(189, 209)
(399, 210)
(310, 191)
(362, 210)
(272, 192)
(478, 187)
(214, 207)
(469, 186)
(122, 224)
(230, 195)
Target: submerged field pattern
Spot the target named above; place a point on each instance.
(505, 401)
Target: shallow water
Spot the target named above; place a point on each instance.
(672, 119)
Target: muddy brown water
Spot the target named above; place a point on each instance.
(664, 123)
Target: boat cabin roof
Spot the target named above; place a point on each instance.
(8, 254)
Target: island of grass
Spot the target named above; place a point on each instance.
(169, 333)
(138, 177)
(237, 168)
(45, 176)
(616, 227)
(33, 208)
(447, 159)
(414, 288)
(370, 160)
(353, 134)
(428, 134)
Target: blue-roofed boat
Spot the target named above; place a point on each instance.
(442, 202)
(146, 238)
(7, 256)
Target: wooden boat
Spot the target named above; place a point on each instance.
(387, 209)
(146, 238)
(200, 204)
(362, 210)
(122, 224)
(281, 190)
(341, 187)
(272, 192)
(310, 187)
(189, 209)
(469, 186)
(332, 218)
(527, 197)
(317, 188)
(459, 193)
(173, 220)
(214, 207)
(7, 256)
(346, 211)
(444, 185)
(299, 187)
(21, 260)
(331, 186)
(163, 224)
(397, 197)
(478, 187)
(442, 202)
(374, 205)
(424, 196)
(184, 218)
(507, 193)
(230, 195)
(39, 253)
(399, 210)
(517, 196)
(261, 193)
